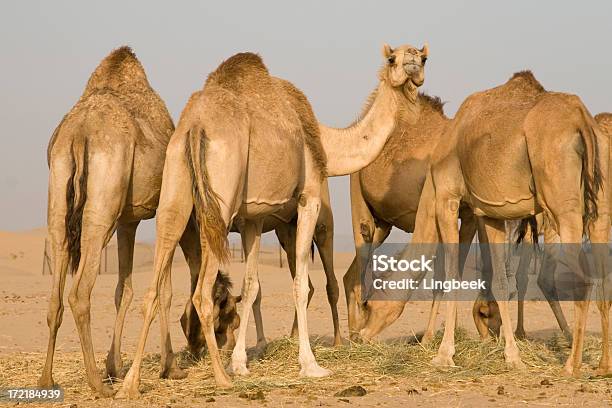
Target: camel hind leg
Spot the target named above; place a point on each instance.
(107, 187)
(126, 234)
(175, 206)
(324, 239)
(61, 171)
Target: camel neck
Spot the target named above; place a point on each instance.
(351, 149)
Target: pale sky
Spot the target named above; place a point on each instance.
(331, 50)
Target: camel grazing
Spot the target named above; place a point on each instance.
(543, 152)
(386, 194)
(241, 113)
(546, 276)
(106, 159)
(284, 224)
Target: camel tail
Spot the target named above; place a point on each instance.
(522, 231)
(213, 230)
(592, 180)
(76, 195)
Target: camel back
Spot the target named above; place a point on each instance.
(121, 74)
(246, 76)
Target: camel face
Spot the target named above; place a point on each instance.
(405, 65)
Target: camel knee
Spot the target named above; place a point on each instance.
(55, 313)
(79, 304)
(366, 228)
(333, 291)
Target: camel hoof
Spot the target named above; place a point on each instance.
(46, 382)
(128, 392)
(238, 367)
(105, 391)
(443, 361)
(224, 383)
(426, 339)
(115, 372)
(516, 365)
(260, 347)
(520, 334)
(313, 370)
(603, 371)
(174, 373)
(570, 372)
(338, 341)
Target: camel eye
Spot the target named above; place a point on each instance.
(391, 60)
(424, 60)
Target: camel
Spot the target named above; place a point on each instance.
(544, 153)
(284, 224)
(106, 159)
(546, 277)
(244, 112)
(386, 194)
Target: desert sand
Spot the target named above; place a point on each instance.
(24, 292)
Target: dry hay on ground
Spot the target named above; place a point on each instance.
(352, 364)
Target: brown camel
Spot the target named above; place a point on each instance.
(546, 276)
(241, 113)
(284, 224)
(106, 159)
(544, 152)
(386, 194)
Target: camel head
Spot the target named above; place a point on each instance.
(405, 67)
(226, 318)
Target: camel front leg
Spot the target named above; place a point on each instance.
(250, 289)
(126, 235)
(447, 216)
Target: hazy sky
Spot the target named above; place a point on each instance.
(331, 50)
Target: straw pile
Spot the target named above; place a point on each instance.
(363, 364)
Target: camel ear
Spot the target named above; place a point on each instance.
(387, 51)
(425, 50)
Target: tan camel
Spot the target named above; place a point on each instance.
(244, 112)
(546, 276)
(386, 194)
(499, 125)
(106, 159)
(514, 151)
(284, 224)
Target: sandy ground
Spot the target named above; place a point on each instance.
(23, 335)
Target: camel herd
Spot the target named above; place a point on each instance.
(248, 155)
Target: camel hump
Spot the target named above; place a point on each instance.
(604, 120)
(238, 70)
(434, 102)
(526, 77)
(119, 71)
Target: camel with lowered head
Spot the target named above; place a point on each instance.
(244, 112)
(514, 151)
(105, 160)
(546, 275)
(386, 194)
(284, 224)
